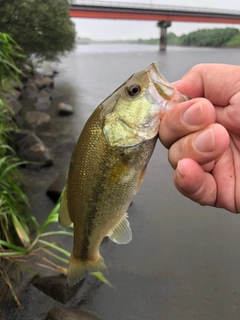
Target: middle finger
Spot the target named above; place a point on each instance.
(204, 146)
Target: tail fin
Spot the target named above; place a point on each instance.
(78, 268)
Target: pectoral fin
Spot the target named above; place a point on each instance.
(122, 233)
(64, 220)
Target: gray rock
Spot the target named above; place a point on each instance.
(65, 109)
(16, 94)
(44, 82)
(12, 88)
(12, 93)
(55, 189)
(35, 120)
(56, 287)
(51, 74)
(25, 139)
(19, 134)
(32, 90)
(19, 283)
(16, 85)
(32, 149)
(37, 154)
(45, 93)
(60, 313)
(14, 105)
(43, 103)
(15, 277)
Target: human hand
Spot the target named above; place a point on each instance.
(203, 136)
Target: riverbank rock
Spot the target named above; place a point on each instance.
(43, 82)
(46, 92)
(18, 135)
(15, 105)
(18, 85)
(18, 281)
(15, 276)
(43, 103)
(35, 120)
(31, 148)
(71, 314)
(55, 189)
(15, 94)
(56, 287)
(64, 109)
(32, 90)
(37, 154)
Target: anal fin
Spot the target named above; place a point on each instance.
(122, 233)
(64, 220)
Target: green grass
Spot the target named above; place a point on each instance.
(14, 208)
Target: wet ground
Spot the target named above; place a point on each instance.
(183, 262)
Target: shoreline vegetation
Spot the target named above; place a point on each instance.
(215, 38)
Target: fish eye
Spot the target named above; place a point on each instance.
(134, 90)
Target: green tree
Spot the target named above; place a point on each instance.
(42, 28)
(234, 41)
(209, 37)
(172, 39)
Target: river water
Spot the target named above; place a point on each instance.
(184, 260)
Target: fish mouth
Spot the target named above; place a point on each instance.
(163, 87)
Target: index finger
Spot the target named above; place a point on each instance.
(216, 82)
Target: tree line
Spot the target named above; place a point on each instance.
(218, 37)
(225, 37)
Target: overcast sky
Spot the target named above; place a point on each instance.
(101, 29)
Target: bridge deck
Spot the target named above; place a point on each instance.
(141, 11)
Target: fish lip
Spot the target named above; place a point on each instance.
(155, 74)
(161, 84)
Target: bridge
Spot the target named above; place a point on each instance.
(161, 13)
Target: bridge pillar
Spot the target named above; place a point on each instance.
(163, 33)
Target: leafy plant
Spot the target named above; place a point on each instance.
(14, 208)
(9, 50)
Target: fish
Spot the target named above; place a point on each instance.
(108, 166)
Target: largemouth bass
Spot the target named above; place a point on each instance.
(108, 166)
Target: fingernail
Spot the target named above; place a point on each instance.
(179, 169)
(193, 116)
(175, 82)
(205, 141)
